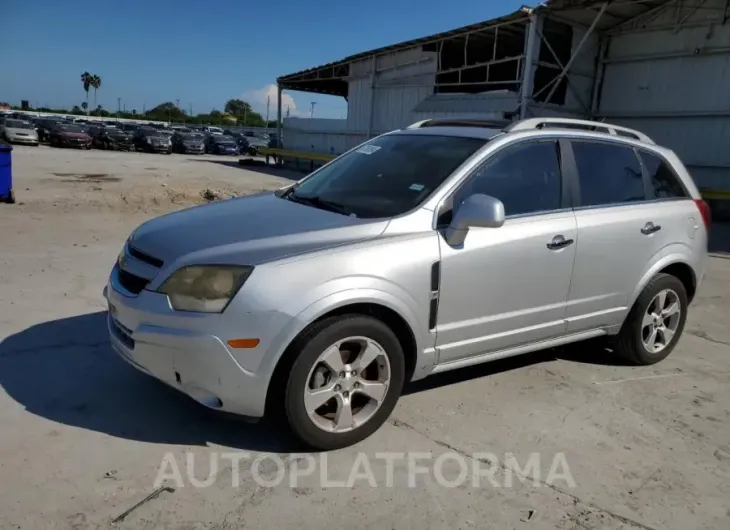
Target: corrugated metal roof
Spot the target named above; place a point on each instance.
(521, 13)
(577, 11)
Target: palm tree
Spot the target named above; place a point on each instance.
(86, 81)
(96, 85)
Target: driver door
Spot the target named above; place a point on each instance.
(508, 286)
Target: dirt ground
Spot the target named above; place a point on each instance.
(83, 436)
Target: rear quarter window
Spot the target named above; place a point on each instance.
(664, 182)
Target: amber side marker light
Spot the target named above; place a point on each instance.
(243, 343)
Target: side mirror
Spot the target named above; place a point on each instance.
(478, 210)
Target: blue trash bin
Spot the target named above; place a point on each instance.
(6, 174)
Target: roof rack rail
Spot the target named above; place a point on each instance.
(569, 123)
(459, 121)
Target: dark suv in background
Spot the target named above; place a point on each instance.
(188, 143)
(221, 144)
(111, 137)
(152, 141)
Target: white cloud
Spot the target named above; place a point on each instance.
(257, 98)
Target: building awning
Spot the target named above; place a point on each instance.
(331, 78)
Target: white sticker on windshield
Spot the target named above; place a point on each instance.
(367, 149)
(416, 187)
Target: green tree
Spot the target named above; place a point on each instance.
(85, 106)
(237, 108)
(167, 111)
(76, 110)
(95, 84)
(86, 79)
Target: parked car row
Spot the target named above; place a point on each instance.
(110, 135)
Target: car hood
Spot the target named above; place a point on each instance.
(249, 230)
(18, 130)
(82, 136)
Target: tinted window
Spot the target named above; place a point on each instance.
(609, 174)
(389, 175)
(664, 183)
(525, 177)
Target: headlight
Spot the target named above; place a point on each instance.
(149, 140)
(204, 288)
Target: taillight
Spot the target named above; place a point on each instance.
(704, 209)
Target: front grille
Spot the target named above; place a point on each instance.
(131, 282)
(143, 256)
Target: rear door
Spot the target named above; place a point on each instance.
(621, 232)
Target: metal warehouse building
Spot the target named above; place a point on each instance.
(659, 66)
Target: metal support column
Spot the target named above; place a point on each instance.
(570, 62)
(278, 116)
(371, 109)
(528, 70)
(600, 72)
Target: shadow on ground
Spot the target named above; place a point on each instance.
(65, 371)
(256, 166)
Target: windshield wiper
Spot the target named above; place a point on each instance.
(319, 202)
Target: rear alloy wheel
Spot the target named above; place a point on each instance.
(345, 381)
(655, 323)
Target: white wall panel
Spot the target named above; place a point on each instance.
(673, 83)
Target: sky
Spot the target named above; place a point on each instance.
(203, 53)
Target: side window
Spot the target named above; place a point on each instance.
(664, 182)
(608, 174)
(525, 177)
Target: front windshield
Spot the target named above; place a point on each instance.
(224, 140)
(192, 136)
(389, 175)
(17, 124)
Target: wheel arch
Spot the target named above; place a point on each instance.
(677, 265)
(401, 326)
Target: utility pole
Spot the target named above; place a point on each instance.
(266, 125)
(287, 111)
(311, 112)
(119, 106)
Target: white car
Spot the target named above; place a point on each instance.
(18, 132)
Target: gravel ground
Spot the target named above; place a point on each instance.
(83, 437)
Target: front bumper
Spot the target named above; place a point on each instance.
(193, 150)
(188, 351)
(72, 142)
(25, 140)
(121, 146)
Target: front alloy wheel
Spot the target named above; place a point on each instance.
(347, 384)
(345, 381)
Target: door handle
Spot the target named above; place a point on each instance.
(559, 242)
(650, 228)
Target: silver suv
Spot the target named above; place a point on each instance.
(423, 250)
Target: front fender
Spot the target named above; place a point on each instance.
(320, 307)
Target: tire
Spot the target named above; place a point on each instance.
(309, 347)
(629, 342)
